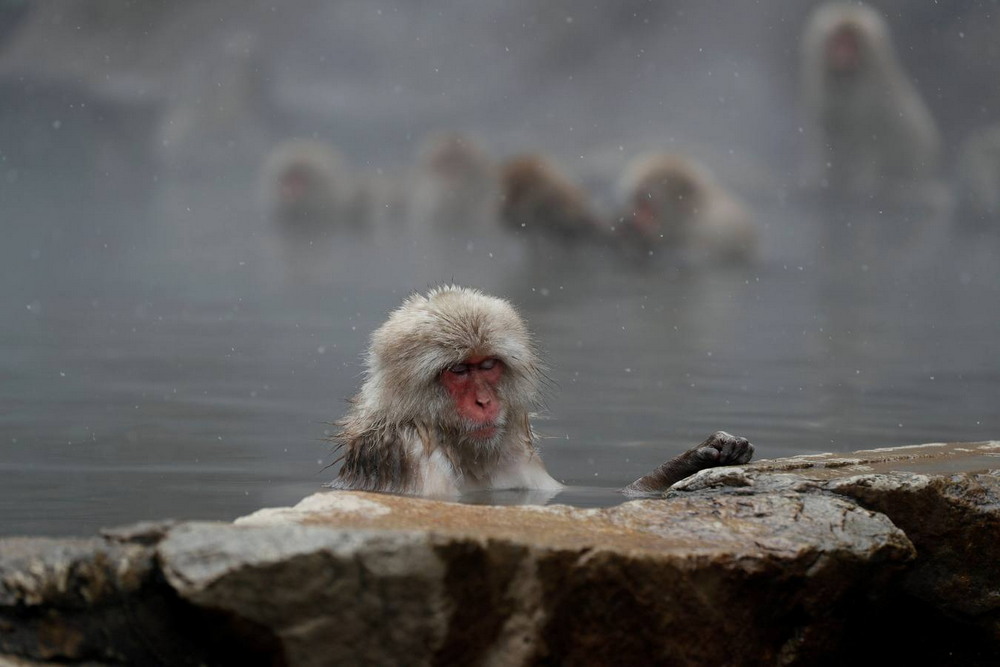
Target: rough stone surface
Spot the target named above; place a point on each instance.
(94, 602)
(61, 599)
(694, 581)
(954, 522)
(937, 458)
(792, 561)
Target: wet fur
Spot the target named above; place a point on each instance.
(454, 188)
(538, 200)
(330, 197)
(403, 435)
(694, 214)
(870, 132)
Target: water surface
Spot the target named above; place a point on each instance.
(166, 359)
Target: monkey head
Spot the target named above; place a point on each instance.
(305, 179)
(452, 155)
(843, 49)
(521, 177)
(455, 358)
(851, 41)
(296, 182)
(664, 194)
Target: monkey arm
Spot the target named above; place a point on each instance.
(720, 449)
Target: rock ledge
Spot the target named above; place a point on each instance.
(790, 561)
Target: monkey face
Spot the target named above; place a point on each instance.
(844, 50)
(663, 205)
(294, 183)
(472, 386)
(451, 159)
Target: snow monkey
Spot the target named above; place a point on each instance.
(455, 186)
(673, 202)
(452, 378)
(539, 201)
(309, 189)
(871, 133)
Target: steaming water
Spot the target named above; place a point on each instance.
(168, 359)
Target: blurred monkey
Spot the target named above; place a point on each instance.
(454, 188)
(310, 190)
(673, 203)
(452, 379)
(871, 135)
(539, 202)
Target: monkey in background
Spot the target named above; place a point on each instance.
(539, 202)
(672, 202)
(871, 135)
(455, 186)
(451, 381)
(310, 191)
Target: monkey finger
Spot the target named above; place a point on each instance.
(744, 453)
(708, 455)
(728, 451)
(739, 451)
(733, 450)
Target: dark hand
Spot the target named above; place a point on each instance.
(720, 449)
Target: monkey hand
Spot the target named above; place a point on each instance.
(720, 449)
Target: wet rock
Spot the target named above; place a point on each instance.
(87, 601)
(328, 596)
(793, 561)
(69, 573)
(645, 580)
(54, 594)
(954, 523)
(143, 532)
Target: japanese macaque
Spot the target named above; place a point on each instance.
(309, 190)
(871, 135)
(673, 203)
(455, 186)
(538, 201)
(452, 379)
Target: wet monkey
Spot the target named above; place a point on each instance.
(454, 186)
(309, 189)
(539, 202)
(673, 202)
(451, 381)
(870, 133)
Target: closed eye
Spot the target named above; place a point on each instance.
(487, 364)
(459, 369)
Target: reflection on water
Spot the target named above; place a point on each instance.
(179, 367)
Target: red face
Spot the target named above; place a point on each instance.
(645, 217)
(843, 50)
(472, 385)
(293, 183)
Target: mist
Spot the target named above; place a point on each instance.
(165, 354)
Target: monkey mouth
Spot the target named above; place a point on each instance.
(483, 430)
